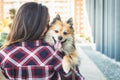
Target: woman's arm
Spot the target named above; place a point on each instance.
(1, 58)
(72, 73)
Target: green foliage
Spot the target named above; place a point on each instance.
(87, 38)
(2, 38)
(12, 13)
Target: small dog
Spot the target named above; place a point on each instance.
(61, 35)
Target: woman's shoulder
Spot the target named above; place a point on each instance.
(34, 43)
(29, 44)
(38, 45)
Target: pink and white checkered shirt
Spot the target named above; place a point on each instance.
(33, 60)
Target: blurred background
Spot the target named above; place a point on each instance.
(66, 9)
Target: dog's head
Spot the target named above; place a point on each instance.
(61, 31)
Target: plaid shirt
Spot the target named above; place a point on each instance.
(34, 60)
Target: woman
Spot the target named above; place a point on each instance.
(26, 56)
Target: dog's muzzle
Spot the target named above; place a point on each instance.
(61, 41)
(54, 39)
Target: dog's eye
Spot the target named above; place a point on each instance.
(56, 31)
(65, 33)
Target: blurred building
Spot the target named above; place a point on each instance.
(1, 9)
(66, 8)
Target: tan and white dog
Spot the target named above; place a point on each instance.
(61, 35)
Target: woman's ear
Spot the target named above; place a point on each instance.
(70, 22)
(56, 18)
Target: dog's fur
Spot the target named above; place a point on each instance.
(59, 29)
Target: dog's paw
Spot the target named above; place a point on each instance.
(66, 64)
(75, 61)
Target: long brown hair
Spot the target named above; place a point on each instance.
(29, 23)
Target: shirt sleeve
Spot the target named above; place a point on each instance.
(1, 58)
(72, 73)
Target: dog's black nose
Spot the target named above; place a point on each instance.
(60, 37)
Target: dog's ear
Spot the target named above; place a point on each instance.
(70, 21)
(56, 18)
